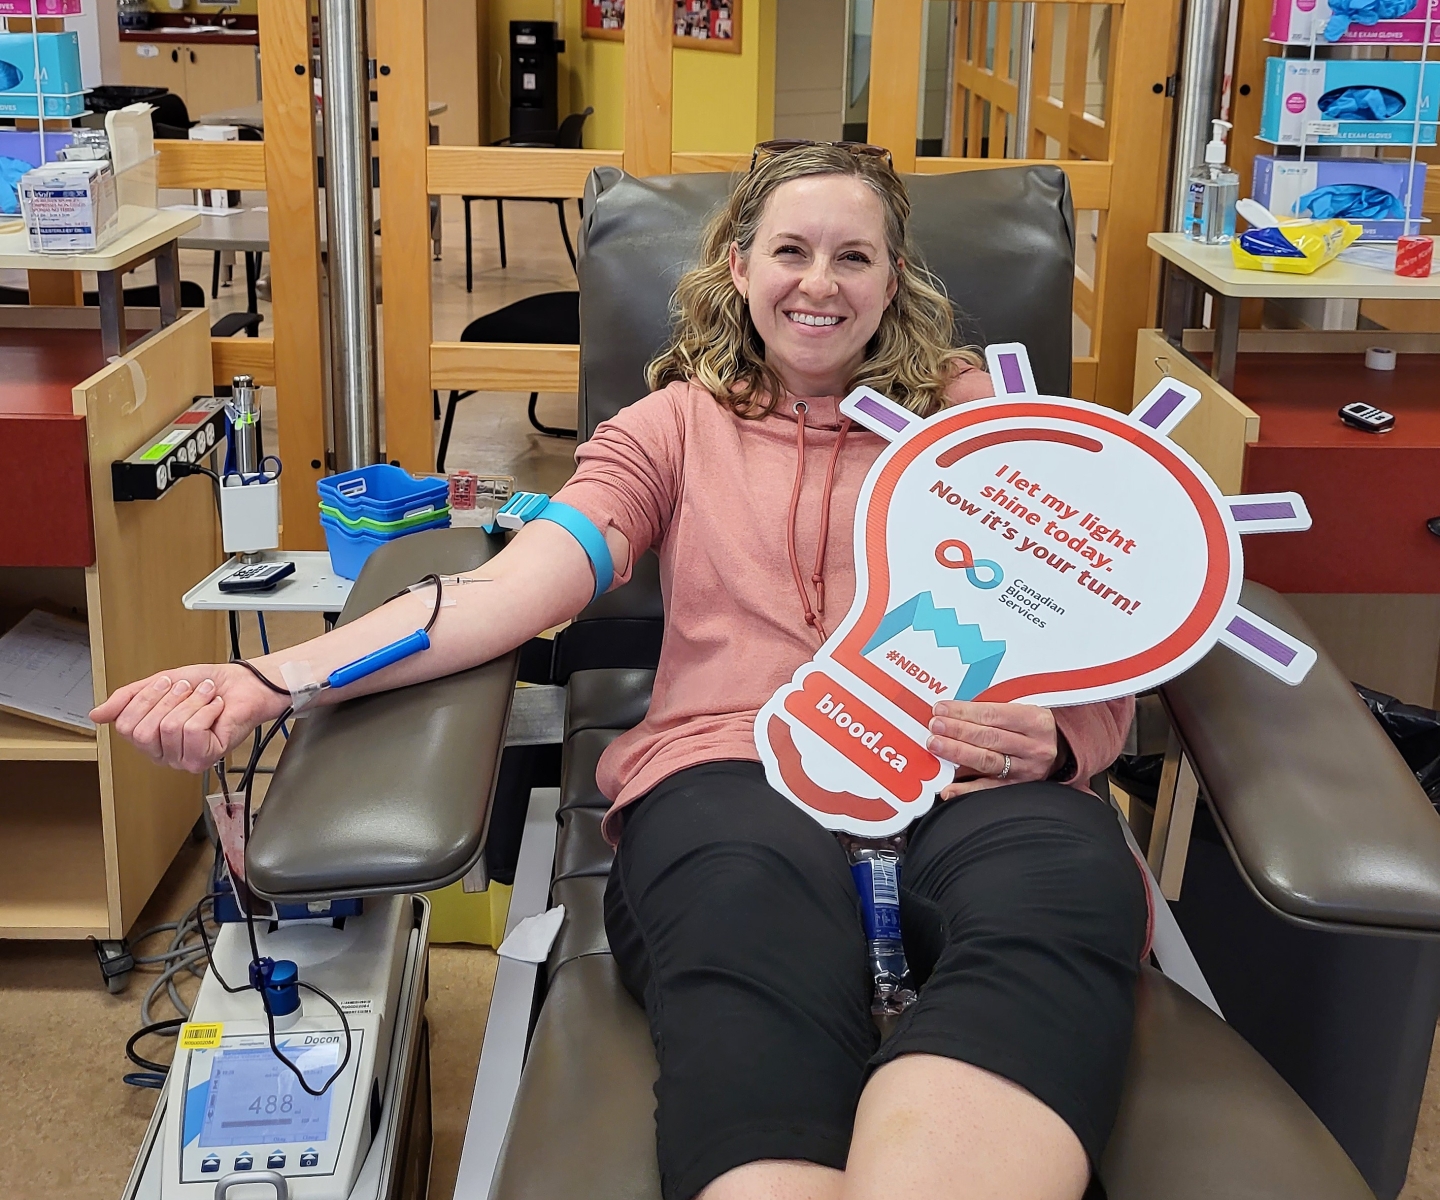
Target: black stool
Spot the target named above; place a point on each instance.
(551, 318)
(567, 137)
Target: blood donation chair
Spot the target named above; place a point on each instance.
(392, 792)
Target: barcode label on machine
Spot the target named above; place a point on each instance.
(884, 882)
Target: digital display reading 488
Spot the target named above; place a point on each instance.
(255, 1098)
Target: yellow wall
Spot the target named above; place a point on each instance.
(248, 7)
(722, 101)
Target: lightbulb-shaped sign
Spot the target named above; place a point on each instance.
(1024, 548)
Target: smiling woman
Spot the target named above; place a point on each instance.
(808, 284)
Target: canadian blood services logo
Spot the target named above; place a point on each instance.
(955, 554)
(1026, 548)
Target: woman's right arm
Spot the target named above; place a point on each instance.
(191, 716)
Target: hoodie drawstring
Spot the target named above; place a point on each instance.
(813, 615)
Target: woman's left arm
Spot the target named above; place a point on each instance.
(977, 737)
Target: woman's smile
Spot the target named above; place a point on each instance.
(811, 320)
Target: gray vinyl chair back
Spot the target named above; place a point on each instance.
(1001, 241)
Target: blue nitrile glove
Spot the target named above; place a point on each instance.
(1354, 201)
(11, 169)
(1360, 104)
(10, 75)
(1344, 13)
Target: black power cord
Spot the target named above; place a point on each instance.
(153, 1075)
(182, 469)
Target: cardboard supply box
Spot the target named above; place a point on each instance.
(1280, 183)
(1298, 22)
(1308, 100)
(70, 207)
(59, 85)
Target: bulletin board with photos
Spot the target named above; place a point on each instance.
(699, 24)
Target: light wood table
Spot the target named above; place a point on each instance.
(146, 237)
(1193, 269)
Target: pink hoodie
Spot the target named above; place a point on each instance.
(711, 493)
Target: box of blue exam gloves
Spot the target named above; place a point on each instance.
(60, 83)
(19, 152)
(1354, 101)
(1368, 191)
(1330, 22)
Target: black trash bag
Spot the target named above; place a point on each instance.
(1139, 775)
(1416, 734)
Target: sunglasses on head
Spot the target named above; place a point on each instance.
(781, 145)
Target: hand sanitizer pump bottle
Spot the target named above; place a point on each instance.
(1214, 189)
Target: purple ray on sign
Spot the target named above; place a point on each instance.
(1262, 641)
(1269, 511)
(1010, 373)
(1156, 415)
(886, 416)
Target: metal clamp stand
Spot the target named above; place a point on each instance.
(350, 264)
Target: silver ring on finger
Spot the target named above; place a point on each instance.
(1005, 771)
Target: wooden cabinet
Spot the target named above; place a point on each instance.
(146, 64)
(209, 77)
(87, 824)
(219, 77)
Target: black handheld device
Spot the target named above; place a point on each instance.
(1367, 417)
(256, 577)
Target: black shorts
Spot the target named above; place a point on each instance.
(734, 921)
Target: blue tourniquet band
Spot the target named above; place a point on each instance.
(523, 507)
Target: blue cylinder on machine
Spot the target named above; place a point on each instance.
(281, 990)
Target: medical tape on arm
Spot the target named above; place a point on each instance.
(299, 677)
(426, 585)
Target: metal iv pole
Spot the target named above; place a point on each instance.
(1023, 82)
(1201, 74)
(349, 220)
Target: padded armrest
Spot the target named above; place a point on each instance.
(1321, 814)
(389, 792)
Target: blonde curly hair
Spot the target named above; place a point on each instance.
(911, 357)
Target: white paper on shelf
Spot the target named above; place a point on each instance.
(203, 211)
(131, 134)
(45, 670)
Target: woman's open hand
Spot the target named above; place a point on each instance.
(977, 737)
(190, 716)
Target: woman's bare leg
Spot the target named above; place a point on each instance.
(776, 1181)
(931, 1126)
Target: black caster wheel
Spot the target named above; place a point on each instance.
(116, 963)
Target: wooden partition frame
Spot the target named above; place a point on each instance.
(282, 166)
(1117, 166)
(414, 171)
(1129, 143)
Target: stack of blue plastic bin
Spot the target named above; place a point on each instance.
(361, 510)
